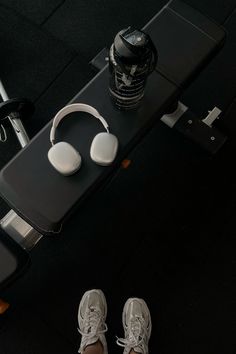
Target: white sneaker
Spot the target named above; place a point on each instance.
(137, 326)
(91, 318)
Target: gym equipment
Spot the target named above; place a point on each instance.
(15, 109)
(67, 160)
(178, 31)
(187, 33)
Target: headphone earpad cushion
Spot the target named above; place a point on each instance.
(104, 148)
(64, 158)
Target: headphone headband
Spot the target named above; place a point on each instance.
(75, 107)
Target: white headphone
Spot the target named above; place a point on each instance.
(65, 158)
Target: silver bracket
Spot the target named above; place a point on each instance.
(172, 118)
(19, 230)
(212, 116)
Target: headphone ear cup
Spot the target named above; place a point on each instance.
(104, 149)
(64, 158)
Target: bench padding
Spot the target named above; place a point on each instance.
(185, 40)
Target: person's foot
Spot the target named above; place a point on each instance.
(91, 318)
(137, 326)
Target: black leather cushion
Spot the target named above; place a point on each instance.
(185, 40)
(13, 259)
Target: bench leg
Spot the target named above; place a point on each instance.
(3, 306)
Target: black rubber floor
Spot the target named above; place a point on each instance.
(90, 28)
(30, 58)
(38, 13)
(164, 229)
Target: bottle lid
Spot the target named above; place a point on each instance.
(131, 44)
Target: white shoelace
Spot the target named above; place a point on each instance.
(137, 334)
(94, 323)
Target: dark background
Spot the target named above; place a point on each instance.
(164, 229)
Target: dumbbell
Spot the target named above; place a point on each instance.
(16, 109)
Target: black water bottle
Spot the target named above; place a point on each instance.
(132, 58)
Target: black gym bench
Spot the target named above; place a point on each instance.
(41, 199)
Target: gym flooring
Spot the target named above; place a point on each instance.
(163, 229)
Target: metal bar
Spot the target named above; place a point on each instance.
(19, 129)
(3, 92)
(16, 123)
